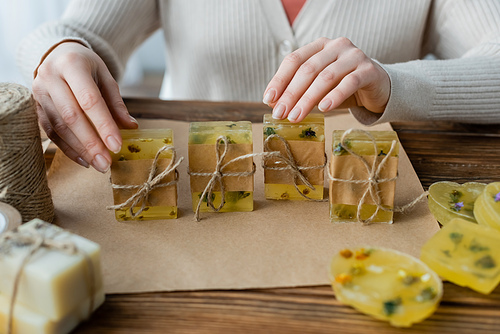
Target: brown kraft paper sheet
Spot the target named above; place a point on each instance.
(279, 244)
(136, 172)
(305, 153)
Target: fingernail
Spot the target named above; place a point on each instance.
(113, 144)
(294, 114)
(269, 97)
(325, 105)
(278, 111)
(82, 162)
(133, 120)
(100, 163)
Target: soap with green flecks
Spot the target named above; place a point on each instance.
(466, 254)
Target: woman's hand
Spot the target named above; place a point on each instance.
(79, 105)
(325, 73)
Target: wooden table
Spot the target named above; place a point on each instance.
(438, 151)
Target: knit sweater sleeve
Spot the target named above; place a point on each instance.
(112, 28)
(463, 84)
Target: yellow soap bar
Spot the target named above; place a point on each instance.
(131, 167)
(449, 200)
(466, 254)
(202, 143)
(386, 284)
(306, 141)
(351, 175)
(27, 321)
(487, 206)
(53, 284)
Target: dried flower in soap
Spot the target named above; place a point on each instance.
(269, 131)
(134, 148)
(308, 133)
(456, 237)
(455, 196)
(497, 197)
(345, 253)
(457, 206)
(486, 262)
(363, 253)
(343, 278)
(391, 306)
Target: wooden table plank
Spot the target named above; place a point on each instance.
(438, 151)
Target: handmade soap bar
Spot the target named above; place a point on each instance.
(27, 321)
(131, 167)
(466, 254)
(385, 284)
(303, 145)
(56, 280)
(487, 206)
(449, 200)
(360, 160)
(232, 140)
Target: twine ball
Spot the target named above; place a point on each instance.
(23, 177)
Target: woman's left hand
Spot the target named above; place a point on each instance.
(325, 73)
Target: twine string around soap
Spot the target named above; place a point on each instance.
(153, 181)
(216, 177)
(373, 180)
(35, 238)
(287, 163)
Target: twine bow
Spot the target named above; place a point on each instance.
(35, 238)
(216, 177)
(374, 180)
(290, 164)
(152, 182)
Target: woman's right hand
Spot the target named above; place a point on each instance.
(79, 105)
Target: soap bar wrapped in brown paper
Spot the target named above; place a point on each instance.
(221, 166)
(144, 176)
(363, 172)
(298, 172)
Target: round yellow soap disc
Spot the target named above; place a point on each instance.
(386, 284)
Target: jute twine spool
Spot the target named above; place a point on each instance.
(23, 177)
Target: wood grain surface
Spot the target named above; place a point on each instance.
(438, 151)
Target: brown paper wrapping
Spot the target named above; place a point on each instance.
(136, 172)
(279, 244)
(305, 153)
(202, 159)
(348, 167)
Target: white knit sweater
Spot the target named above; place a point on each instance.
(228, 50)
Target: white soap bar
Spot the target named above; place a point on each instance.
(53, 284)
(27, 321)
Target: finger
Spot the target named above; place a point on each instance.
(349, 85)
(302, 79)
(90, 100)
(68, 119)
(287, 69)
(305, 93)
(111, 94)
(56, 139)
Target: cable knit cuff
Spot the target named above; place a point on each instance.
(411, 95)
